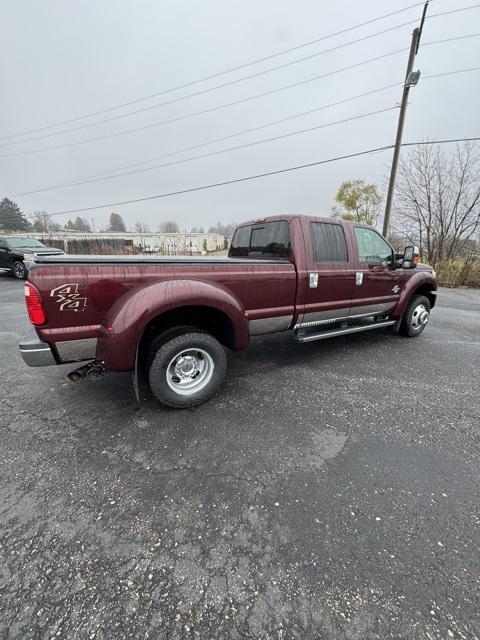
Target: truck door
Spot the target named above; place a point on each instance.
(331, 274)
(377, 286)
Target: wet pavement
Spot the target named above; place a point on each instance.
(331, 490)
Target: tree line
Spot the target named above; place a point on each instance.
(13, 219)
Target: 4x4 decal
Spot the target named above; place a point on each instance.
(68, 298)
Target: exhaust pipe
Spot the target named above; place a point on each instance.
(92, 371)
(95, 373)
(74, 376)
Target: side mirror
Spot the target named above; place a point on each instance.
(411, 257)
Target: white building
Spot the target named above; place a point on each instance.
(161, 243)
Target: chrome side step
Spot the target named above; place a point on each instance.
(332, 333)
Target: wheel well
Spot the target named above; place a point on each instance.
(426, 290)
(208, 319)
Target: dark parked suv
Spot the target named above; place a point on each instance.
(17, 254)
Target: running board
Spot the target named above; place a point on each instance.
(332, 333)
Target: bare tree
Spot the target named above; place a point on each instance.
(141, 227)
(169, 226)
(41, 220)
(437, 200)
(43, 223)
(222, 229)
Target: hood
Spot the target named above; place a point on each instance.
(421, 266)
(43, 251)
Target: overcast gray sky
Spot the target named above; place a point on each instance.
(63, 59)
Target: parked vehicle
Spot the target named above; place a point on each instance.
(17, 254)
(172, 317)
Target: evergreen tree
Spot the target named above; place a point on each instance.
(11, 218)
(116, 223)
(81, 224)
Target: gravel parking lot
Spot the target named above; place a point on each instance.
(330, 491)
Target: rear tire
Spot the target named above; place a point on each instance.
(415, 317)
(186, 370)
(19, 270)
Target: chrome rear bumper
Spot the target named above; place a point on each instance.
(37, 354)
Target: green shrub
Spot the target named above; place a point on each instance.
(460, 272)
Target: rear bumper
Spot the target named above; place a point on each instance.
(37, 354)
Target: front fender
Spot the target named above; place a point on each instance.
(125, 321)
(418, 280)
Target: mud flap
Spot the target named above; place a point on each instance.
(136, 375)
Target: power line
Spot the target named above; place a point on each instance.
(228, 104)
(228, 137)
(465, 37)
(216, 75)
(261, 175)
(203, 111)
(213, 153)
(185, 85)
(104, 175)
(250, 130)
(203, 91)
(450, 73)
(243, 132)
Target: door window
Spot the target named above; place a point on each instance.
(329, 244)
(372, 248)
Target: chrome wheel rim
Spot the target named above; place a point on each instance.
(190, 371)
(420, 316)
(19, 270)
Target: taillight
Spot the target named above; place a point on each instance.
(35, 309)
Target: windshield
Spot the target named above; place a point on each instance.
(15, 243)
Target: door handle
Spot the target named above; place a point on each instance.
(313, 280)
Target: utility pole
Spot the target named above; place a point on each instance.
(411, 79)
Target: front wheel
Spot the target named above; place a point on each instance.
(187, 370)
(19, 270)
(415, 317)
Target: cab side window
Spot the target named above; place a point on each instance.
(372, 248)
(329, 244)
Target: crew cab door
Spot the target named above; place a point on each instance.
(330, 276)
(377, 285)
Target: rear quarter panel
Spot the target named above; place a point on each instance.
(78, 297)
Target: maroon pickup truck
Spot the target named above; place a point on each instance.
(170, 318)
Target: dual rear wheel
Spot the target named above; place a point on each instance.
(186, 367)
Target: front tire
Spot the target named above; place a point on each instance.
(19, 270)
(415, 317)
(186, 370)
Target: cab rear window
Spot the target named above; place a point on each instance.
(265, 240)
